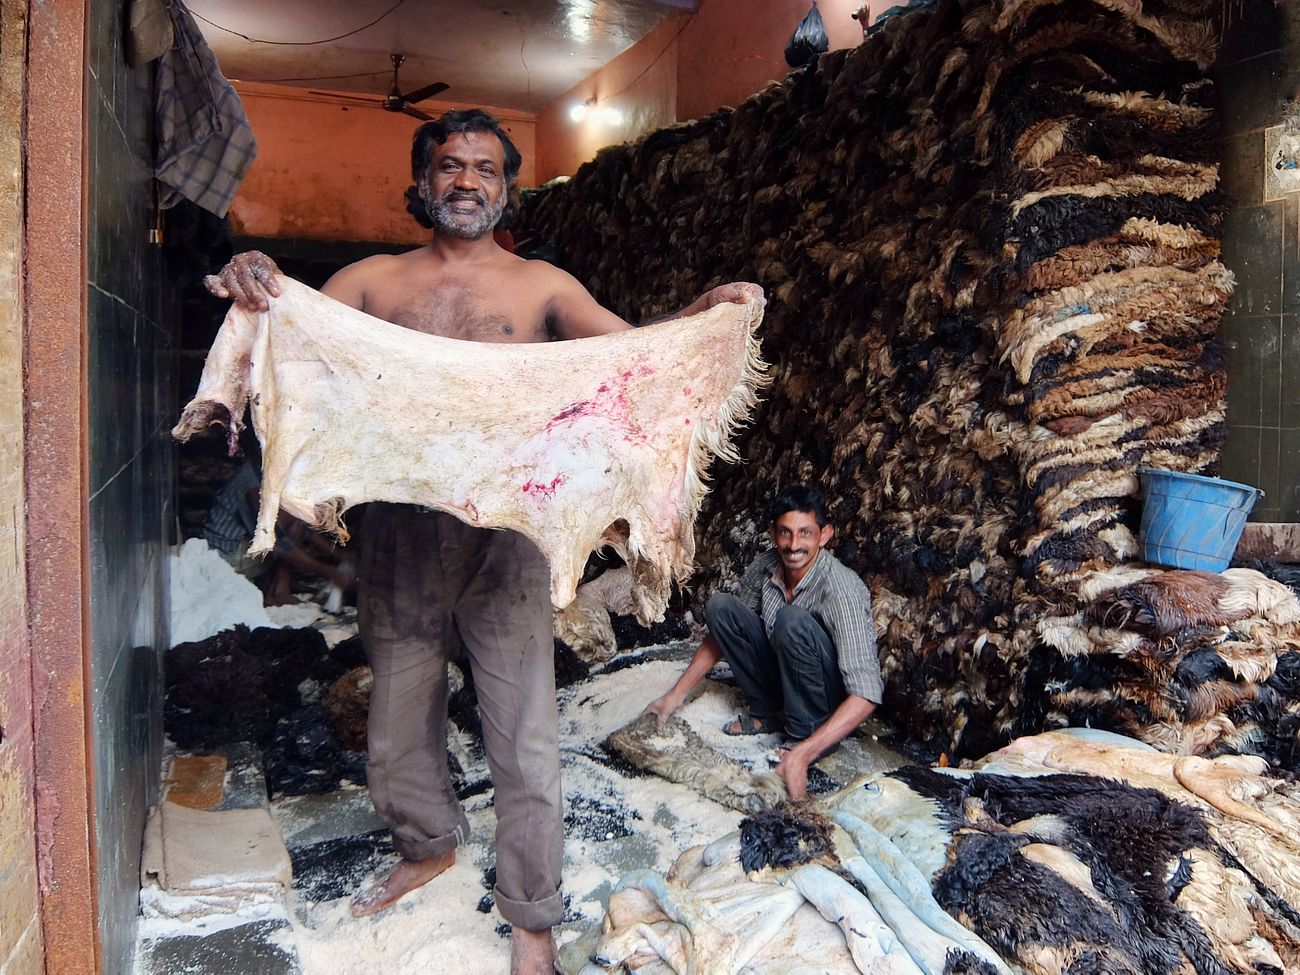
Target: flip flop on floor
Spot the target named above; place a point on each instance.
(752, 724)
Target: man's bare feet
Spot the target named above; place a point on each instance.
(407, 876)
(531, 952)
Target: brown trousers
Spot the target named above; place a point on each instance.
(424, 577)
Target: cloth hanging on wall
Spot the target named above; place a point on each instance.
(205, 144)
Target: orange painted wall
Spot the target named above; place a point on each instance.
(734, 47)
(640, 85)
(327, 169)
(692, 65)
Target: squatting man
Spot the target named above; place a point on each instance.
(425, 576)
(800, 640)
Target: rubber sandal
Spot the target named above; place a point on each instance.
(751, 724)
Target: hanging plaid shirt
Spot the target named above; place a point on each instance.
(205, 144)
(836, 598)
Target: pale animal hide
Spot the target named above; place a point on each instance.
(580, 444)
(585, 623)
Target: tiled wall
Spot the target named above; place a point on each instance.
(1259, 70)
(20, 921)
(131, 408)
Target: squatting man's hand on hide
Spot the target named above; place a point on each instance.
(247, 281)
(662, 708)
(793, 771)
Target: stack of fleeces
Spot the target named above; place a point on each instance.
(989, 238)
(1063, 853)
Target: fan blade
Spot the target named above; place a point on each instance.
(428, 91)
(416, 113)
(350, 98)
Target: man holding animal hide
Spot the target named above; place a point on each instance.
(427, 579)
(800, 640)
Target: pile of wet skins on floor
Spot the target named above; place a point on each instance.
(989, 237)
(1075, 853)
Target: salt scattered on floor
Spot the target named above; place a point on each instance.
(167, 915)
(208, 596)
(423, 932)
(617, 824)
(305, 612)
(709, 713)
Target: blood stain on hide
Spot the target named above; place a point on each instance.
(537, 488)
(610, 402)
(577, 409)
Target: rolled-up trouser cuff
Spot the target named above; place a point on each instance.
(539, 915)
(428, 849)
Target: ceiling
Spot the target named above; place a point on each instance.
(518, 54)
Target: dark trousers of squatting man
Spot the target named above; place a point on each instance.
(794, 669)
(425, 577)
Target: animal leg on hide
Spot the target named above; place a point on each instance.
(713, 948)
(634, 946)
(910, 885)
(222, 395)
(928, 948)
(1209, 782)
(872, 943)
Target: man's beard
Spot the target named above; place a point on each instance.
(465, 226)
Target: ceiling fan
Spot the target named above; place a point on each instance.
(395, 101)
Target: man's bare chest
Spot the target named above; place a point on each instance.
(475, 313)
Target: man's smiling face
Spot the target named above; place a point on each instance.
(798, 538)
(466, 190)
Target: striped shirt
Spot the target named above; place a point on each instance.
(233, 515)
(837, 599)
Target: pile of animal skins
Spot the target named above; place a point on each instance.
(989, 238)
(1068, 853)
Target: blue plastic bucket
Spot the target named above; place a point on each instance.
(1190, 521)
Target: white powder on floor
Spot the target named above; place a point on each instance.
(620, 824)
(167, 915)
(304, 612)
(208, 596)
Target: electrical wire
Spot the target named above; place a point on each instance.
(323, 40)
(523, 39)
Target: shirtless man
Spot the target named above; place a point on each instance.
(426, 575)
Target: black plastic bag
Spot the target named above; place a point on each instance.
(809, 40)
